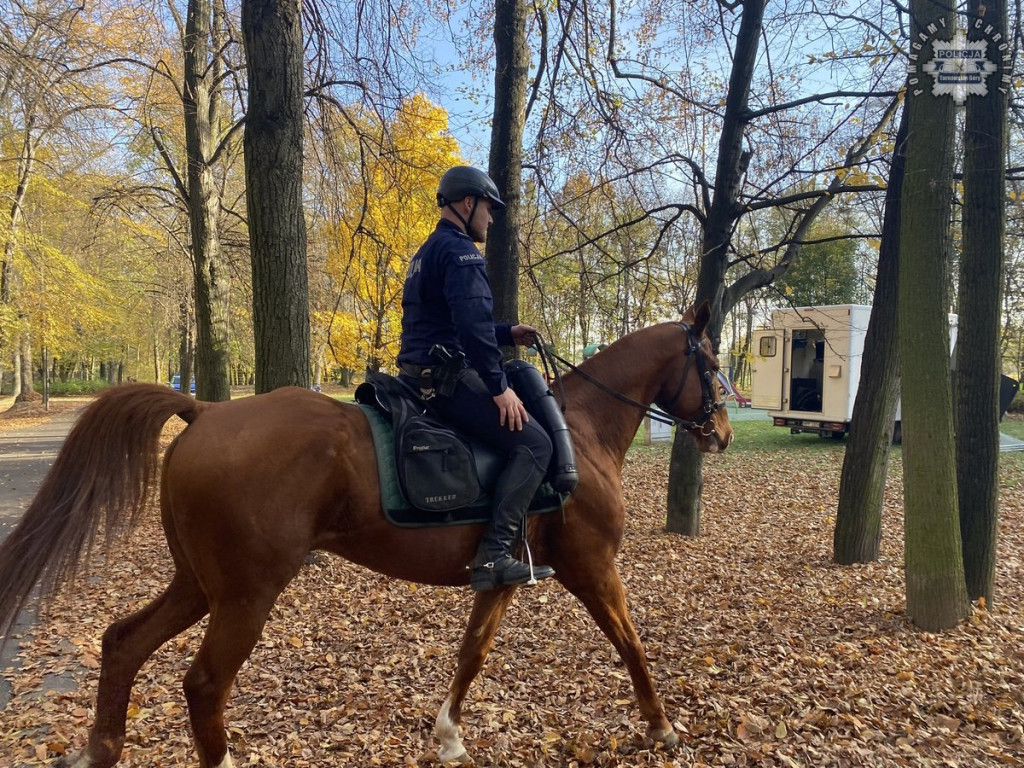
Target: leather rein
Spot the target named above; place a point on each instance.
(661, 415)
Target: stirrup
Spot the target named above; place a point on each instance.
(506, 571)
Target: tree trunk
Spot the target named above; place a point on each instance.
(686, 468)
(272, 31)
(26, 163)
(212, 277)
(684, 493)
(22, 383)
(978, 352)
(26, 390)
(730, 167)
(858, 530)
(506, 156)
(185, 349)
(936, 594)
(16, 372)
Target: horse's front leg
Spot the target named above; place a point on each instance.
(488, 610)
(604, 597)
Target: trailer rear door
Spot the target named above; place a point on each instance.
(767, 367)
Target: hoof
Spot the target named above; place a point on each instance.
(78, 761)
(462, 758)
(665, 736)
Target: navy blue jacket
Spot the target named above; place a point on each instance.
(447, 300)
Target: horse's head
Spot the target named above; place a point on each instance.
(691, 390)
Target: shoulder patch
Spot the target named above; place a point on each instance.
(470, 258)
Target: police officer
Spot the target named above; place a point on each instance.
(447, 302)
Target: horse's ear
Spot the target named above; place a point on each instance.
(701, 317)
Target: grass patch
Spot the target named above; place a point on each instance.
(1013, 425)
(755, 435)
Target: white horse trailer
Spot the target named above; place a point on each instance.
(806, 366)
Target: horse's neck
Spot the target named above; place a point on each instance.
(633, 367)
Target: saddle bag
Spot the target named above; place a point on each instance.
(435, 464)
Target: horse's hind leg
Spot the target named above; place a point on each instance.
(488, 610)
(126, 646)
(235, 627)
(604, 597)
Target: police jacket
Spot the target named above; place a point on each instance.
(447, 300)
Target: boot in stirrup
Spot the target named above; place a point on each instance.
(505, 571)
(493, 566)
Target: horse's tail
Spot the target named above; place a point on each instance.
(103, 473)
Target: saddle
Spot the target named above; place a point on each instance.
(429, 474)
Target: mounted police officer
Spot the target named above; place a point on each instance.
(450, 353)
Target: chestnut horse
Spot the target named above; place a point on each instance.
(251, 486)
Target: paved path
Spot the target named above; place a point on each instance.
(25, 457)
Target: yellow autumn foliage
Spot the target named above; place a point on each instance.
(386, 215)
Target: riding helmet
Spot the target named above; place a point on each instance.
(466, 181)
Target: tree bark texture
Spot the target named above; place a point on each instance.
(511, 73)
(858, 530)
(211, 275)
(686, 466)
(981, 278)
(272, 31)
(936, 594)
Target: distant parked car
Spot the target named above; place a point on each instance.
(176, 383)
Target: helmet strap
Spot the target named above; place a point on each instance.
(472, 213)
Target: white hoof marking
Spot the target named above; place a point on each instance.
(448, 734)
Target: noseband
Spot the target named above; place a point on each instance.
(710, 407)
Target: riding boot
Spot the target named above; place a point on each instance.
(494, 565)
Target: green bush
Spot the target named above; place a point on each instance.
(1017, 404)
(73, 387)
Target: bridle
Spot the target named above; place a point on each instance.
(707, 377)
(662, 415)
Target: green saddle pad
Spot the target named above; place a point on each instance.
(397, 508)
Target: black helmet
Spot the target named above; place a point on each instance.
(466, 181)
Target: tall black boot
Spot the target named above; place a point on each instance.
(494, 566)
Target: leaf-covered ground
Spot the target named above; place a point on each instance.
(26, 415)
(765, 652)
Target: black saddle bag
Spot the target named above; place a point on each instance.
(435, 464)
